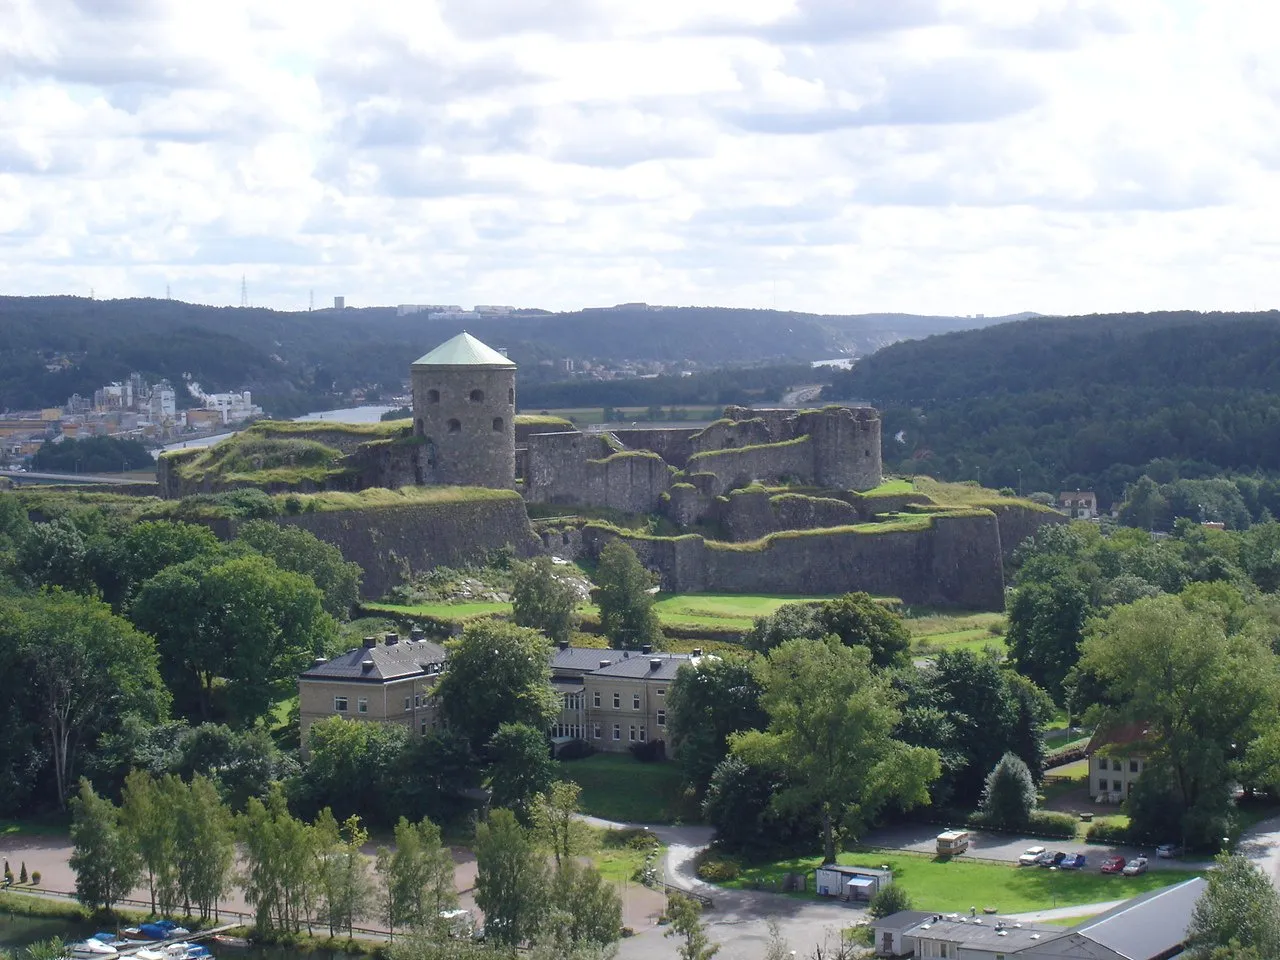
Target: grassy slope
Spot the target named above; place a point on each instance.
(932, 632)
(616, 786)
(959, 884)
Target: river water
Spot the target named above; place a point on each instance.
(18, 932)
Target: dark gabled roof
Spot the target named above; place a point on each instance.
(1136, 736)
(1149, 926)
(901, 921)
(580, 659)
(396, 661)
(642, 666)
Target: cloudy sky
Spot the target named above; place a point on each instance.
(946, 156)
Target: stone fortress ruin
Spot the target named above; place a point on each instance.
(771, 500)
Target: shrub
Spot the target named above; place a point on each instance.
(35, 878)
(1042, 823)
(714, 868)
(889, 900)
(1010, 793)
(650, 751)
(1108, 833)
(576, 750)
(633, 838)
(22, 872)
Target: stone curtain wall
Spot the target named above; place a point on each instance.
(750, 516)
(392, 543)
(954, 563)
(581, 469)
(1017, 522)
(672, 444)
(733, 468)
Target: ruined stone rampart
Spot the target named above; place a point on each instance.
(1019, 521)
(953, 561)
(790, 460)
(392, 543)
(672, 444)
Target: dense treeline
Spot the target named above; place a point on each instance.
(715, 388)
(1083, 402)
(299, 361)
(93, 455)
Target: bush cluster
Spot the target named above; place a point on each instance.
(1108, 833)
(716, 869)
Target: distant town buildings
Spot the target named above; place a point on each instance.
(452, 311)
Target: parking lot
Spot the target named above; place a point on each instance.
(1007, 847)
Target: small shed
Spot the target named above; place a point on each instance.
(851, 883)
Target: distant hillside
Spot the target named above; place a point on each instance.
(293, 361)
(1080, 401)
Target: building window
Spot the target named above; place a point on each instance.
(1133, 766)
(417, 699)
(433, 396)
(595, 731)
(662, 718)
(1102, 786)
(662, 691)
(511, 395)
(430, 446)
(454, 426)
(595, 699)
(1102, 763)
(362, 705)
(340, 704)
(617, 700)
(617, 731)
(635, 701)
(497, 424)
(477, 396)
(408, 704)
(642, 734)
(423, 728)
(633, 733)
(1115, 786)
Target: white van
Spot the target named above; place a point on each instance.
(952, 843)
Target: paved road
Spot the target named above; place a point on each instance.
(1261, 844)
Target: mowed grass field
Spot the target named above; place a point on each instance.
(956, 885)
(708, 611)
(617, 786)
(933, 632)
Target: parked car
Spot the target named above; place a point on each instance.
(1074, 861)
(1135, 866)
(1167, 851)
(1113, 865)
(1050, 859)
(1030, 856)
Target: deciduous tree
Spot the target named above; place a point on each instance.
(1239, 907)
(301, 551)
(498, 673)
(545, 599)
(686, 924)
(105, 862)
(520, 768)
(417, 877)
(556, 821)
(627, 616)
(511, 880)
(831, 723)
(706, 703)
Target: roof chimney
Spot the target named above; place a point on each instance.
(319, 660)
(370, 642)
(415, 632)
(366, 665)
(655, 663)
(605, 663)
(647, 649)
(391, 639)
(563, 644)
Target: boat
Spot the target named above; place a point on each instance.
(162, 930)
(93, 949)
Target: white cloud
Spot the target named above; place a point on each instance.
(830, 155)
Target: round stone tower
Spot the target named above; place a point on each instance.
(464, 407)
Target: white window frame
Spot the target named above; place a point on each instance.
(408, 704)
(362, 705)
(617, 731)
(595, 731)
(595, 698)
(633, 733)
(617, 700)
(343, 707)
(635, 701)
(662, 718)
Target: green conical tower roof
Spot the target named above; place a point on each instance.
(464, 350)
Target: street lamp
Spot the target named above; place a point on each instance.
(1053, 884)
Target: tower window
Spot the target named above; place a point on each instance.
(511, 394)
(431, 452)
(477, 396)
(497, 424)
(454, 426)
(433, 396)
(421, 431)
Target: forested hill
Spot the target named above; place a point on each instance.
(292, 360)
(1081, 402)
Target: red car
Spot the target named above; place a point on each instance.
(1113, 865)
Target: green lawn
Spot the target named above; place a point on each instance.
(706, 611)
(932, 632)
(616, 786)
(620, 865)
(48, 825)
(958, 884)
